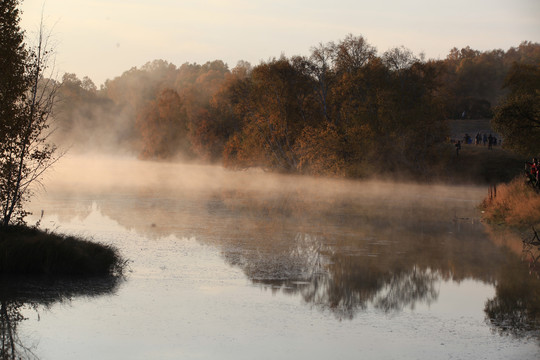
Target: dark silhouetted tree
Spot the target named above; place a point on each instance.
(13, 58)
(27, 100)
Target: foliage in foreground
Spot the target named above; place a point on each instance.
(517, 204)
(30, 251)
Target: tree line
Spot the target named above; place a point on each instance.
(344, 110)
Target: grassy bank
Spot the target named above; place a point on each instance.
(30, 251)
(516, 205)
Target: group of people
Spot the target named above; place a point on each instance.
(532, 169)
(480, 139)
(484, 139)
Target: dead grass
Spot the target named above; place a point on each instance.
(516, 205)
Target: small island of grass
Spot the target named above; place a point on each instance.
(30, 251)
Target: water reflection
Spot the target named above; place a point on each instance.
(531, 252)
(341, 254)
(515, 309)
(12, 346)
(342, 247)
(18, 294)
(345, 255)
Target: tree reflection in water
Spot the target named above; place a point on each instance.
(341, 283)
(387, 258)
(389, 262)
(20, 293)
(12, 346)
(515, 309)
(382, 246)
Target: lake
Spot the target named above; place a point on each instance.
(250, 265)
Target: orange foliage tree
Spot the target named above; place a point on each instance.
(339, 112)
(272, 106)
(163, 127)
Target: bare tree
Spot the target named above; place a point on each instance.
(352, 53)
(321, 60)
(399, 58)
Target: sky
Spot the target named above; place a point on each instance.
(102, 39)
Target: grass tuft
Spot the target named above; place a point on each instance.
(30, 251)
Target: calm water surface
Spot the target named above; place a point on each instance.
(249, 265)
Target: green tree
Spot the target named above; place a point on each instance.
(517, 118)
(27, 100)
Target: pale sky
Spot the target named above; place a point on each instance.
(103, 38)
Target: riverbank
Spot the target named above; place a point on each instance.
(515, 205)
(30, 251)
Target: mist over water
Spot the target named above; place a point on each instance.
(104, 172)
(345, 267)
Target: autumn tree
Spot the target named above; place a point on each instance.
(131, 92)
(27, 100)
(527, 53)
(517, 118)
(326, 145)
(163, 127)
(472, 81)
(135, 87)
(88, 120)
(321, 150)
(343, 111)
(272, 105)
(214, 124)
(390, 117)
